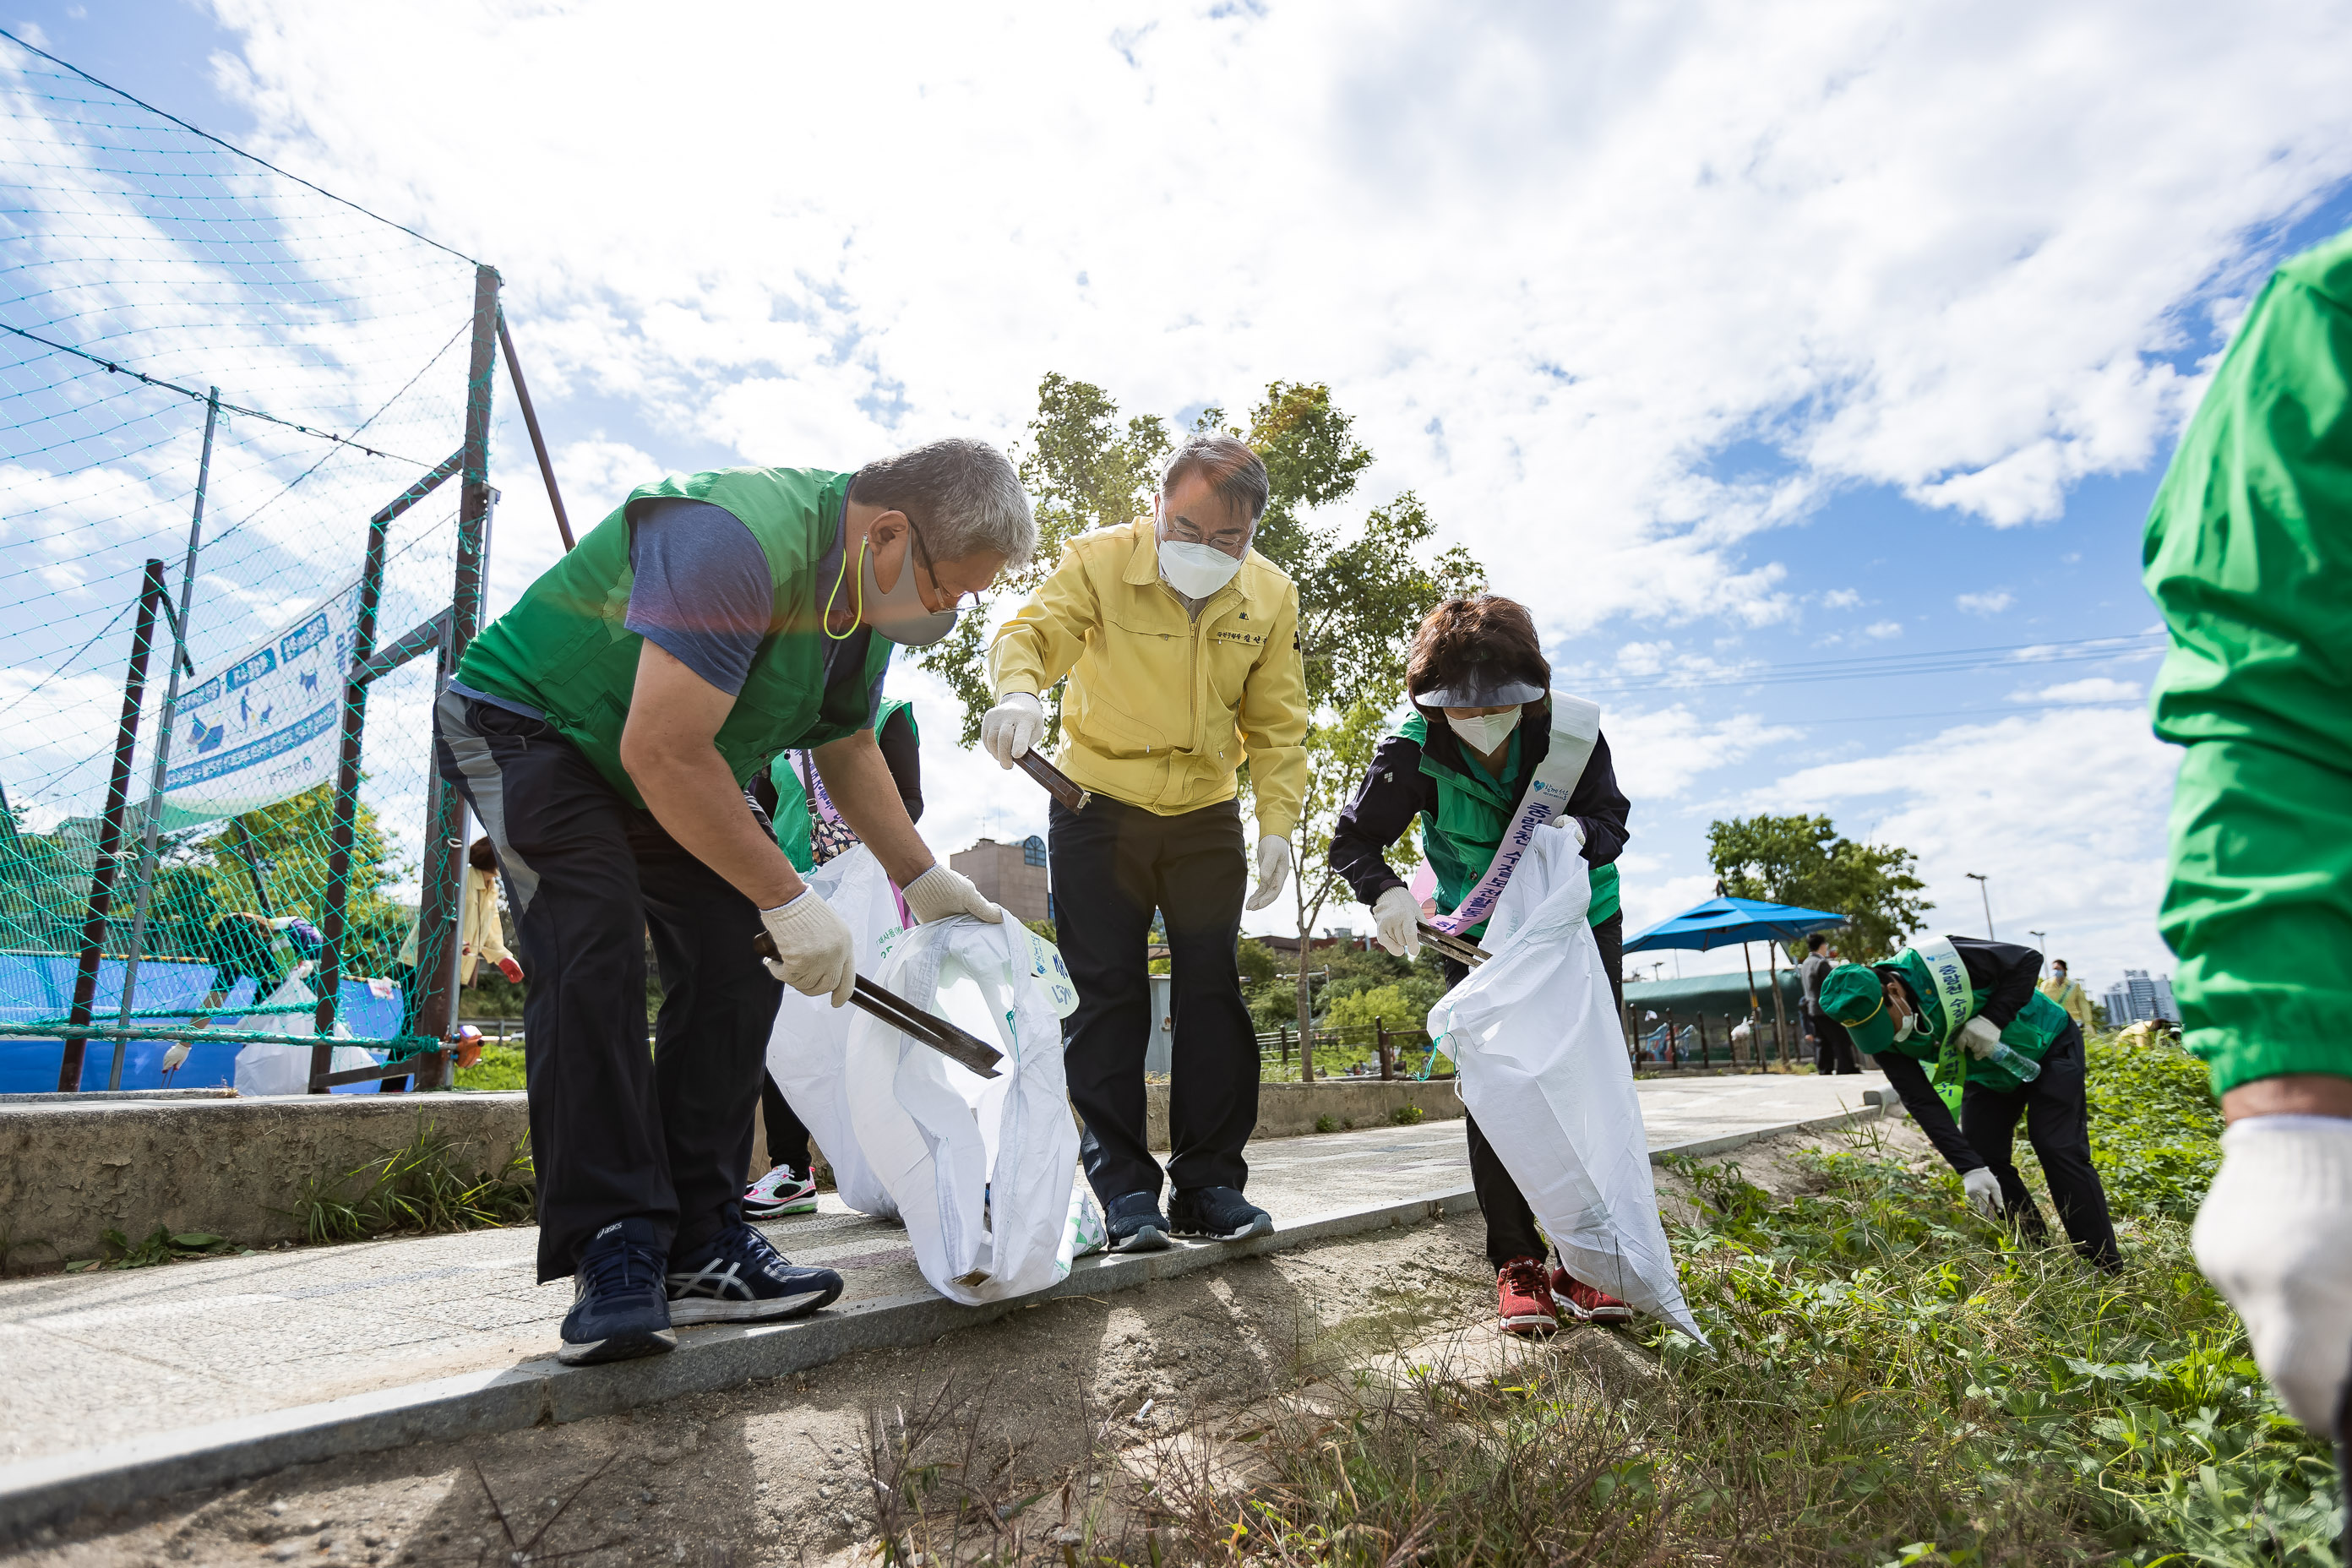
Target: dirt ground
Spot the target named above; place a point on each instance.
(1028, 1412)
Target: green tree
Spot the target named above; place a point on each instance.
(1804, 860)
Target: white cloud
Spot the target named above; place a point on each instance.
(1841, 599)
(1659, 753)
(2093, 688)
(2062, 811)
(1991, 603)
(1882, 630)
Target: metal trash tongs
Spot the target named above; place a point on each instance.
(1460, 949)
(959, 1045)
(1058, 784)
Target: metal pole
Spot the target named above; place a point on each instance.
(2043, 938)
(1780, 1011)
(444, 865)
(345, 808)
(1984, 886)
(531, 423)
(164, 737)
(109, 829)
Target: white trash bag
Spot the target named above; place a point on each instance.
(981, 1169)
(1541, 1055)
(810, 1039)
(264, 1069)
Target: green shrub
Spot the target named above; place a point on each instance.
(1401, 1005)
(500, 1067)
(1326, 1123)
(1405, 1115)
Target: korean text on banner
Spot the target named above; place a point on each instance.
(265, 725)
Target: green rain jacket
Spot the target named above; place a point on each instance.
(2249, 555)
(565, 650)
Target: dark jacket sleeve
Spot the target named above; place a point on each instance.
(1601, 807)
(1928, 1109)
(905, 760)
(2005, 969)
(1394, 793)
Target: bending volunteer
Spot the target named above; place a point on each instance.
(1487, 738)
(603, 731)
(1181, 648)
(2001, 1050)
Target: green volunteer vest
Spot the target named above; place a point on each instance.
(564, 651)
(792, 819)
(2030, 1034)
(1474, 811)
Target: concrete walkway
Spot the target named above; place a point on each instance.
(111, 1375)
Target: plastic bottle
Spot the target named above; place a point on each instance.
(2025, 1069)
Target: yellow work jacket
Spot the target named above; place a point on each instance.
(479, 935)
(1162, 710)
(2069, 994)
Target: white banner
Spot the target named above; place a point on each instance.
(265, 726)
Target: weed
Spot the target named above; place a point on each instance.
(163, 1245)
(417, 1189)
(1405, 1115)
(1326, 1123)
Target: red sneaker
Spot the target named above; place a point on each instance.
(1588, 1304)
(1525, 1298)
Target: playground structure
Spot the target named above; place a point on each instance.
(232, 407)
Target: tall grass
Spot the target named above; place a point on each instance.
(418, 1189)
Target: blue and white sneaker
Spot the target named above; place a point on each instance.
(782, 1191)
(619, 1310)
(738, 1278)
(1218, 1213)
(1135, 1224)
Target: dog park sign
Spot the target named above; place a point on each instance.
(265, 725)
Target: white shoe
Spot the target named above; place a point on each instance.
(782, 1191)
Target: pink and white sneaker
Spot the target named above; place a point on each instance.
(782, 1191)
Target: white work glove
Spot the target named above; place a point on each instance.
(1572, 827)
(1983, 1190)
(1396, 921)
(2275, 1237)
(941, 893)
(1012, 727)
(1980, 1038)
(816, 955)
(1272, 871)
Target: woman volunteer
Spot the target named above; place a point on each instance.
(1482, 723)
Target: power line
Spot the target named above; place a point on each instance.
(196, 131)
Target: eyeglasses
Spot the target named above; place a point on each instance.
(923, 553)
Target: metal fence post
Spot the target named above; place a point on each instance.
(440, 908)
(164, 740)
(109, 830)
(345, 807)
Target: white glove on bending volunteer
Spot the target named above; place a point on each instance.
(1272, 871)
(941, 893)
(1396, 922)
(1012, 727)
(2275, 1237)
(1983, 1190)
(816, 955)
(1980, 1038)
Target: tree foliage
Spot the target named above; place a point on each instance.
(1804, 860)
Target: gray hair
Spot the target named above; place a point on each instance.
(963, 496)
(1233, 471)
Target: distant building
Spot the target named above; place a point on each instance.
(1012, 875)
(2140, 998)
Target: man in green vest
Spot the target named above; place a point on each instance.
(1999, 1049)
(2249, 555)
(604, 729)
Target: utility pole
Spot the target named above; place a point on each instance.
(1983, 886)
(2041, 944)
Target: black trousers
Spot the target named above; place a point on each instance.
(788, 1136)
(1833, 1047)
(2058, 1125)
(1511, 1231)
(616, 1132)
(1113, 864)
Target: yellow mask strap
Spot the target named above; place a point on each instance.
(825, 622)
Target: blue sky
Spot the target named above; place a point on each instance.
(1733, 343)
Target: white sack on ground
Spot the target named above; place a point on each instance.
(264, 1069)
(981, 1169)
(1541, 1055)
(810, 1039)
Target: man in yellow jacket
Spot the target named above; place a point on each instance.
(2067, 991)
(1182, 648)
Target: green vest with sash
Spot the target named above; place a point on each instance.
(791, 817)
(1940, 980)
(564, 647)
(1473, 810)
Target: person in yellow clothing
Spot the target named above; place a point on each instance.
(480, 934)
(1181, 648)
(2066, 991)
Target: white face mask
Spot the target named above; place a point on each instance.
(1907, 1028)
(1195, 571)
(1485, 733)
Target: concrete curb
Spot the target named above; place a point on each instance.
(1699, 1148)
(53, 1490)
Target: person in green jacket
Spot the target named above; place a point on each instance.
(605, 729)
(2249, 555)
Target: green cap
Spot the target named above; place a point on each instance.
(1854, 994)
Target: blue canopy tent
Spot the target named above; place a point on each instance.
(1720, 921)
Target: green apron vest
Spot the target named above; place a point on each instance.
(2039, 1022)
(564, 647)
(1474, 812)
(791, 818)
